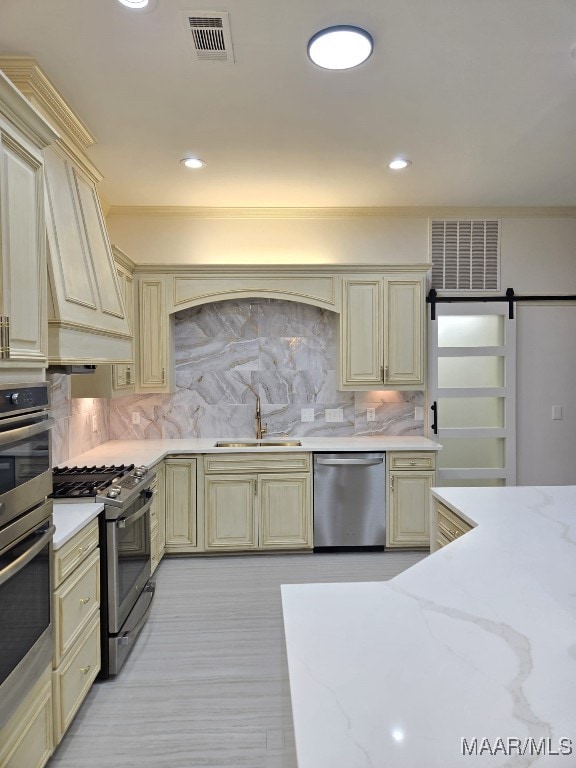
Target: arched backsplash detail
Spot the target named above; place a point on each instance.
(229, 352)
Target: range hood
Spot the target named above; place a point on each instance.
(87, 323)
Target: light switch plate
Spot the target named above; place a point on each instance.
(334, 414)
(135, 417)
(418, 413)
(307, 414)
(94, 423)
(370, 414)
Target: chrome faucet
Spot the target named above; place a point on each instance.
(260, 430)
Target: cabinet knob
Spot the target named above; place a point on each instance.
(84, 600)
(85, 670)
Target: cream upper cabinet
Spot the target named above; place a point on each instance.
(155, 337)
(23, 135)
(382, 332)
(257, 502)
(180, 501)
(410, 477)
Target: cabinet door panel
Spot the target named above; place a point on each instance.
(285, 511)
(153, 360)
(361, 333)
(231, 522)
(409, 513)
(22, 253)
(404, 332)
(180, 479)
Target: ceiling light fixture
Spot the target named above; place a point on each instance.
(340, 47)
(193, 162)
(399, 164)
(134, 3)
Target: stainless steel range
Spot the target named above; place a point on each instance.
(126, 589)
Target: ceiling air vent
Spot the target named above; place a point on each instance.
(465, 254)
(210, 33)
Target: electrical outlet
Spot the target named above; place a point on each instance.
(135, 417)
(418, 413)
(370, 414)
(307, 414)
(557, 412)
(94, 423)
(334, 414)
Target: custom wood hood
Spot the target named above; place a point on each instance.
(87, 320)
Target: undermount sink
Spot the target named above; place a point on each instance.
(256, 443)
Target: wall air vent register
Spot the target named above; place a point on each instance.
(465, 254)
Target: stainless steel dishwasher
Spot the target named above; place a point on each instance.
(349, 501)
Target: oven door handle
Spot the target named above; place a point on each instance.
(12, 569)
(126, 637)
(22, 433)
(121, 522)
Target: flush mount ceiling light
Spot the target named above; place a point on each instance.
(134, 3)
(193, 162)
(399, 164)
(340, 47)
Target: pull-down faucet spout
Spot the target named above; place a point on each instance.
(260, 430)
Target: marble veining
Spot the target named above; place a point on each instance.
(228, 353)
(474, 642)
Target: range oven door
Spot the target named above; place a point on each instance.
(129, 561)
(25, 464)
(25, 604)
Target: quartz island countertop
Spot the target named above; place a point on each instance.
(461, 660)
(150, 452)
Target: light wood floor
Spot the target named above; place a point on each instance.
(207, 683)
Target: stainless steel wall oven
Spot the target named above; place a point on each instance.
(26, 533)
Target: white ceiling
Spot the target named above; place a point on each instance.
(479, 94)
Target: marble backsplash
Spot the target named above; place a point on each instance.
(79, 424)
(228, 353)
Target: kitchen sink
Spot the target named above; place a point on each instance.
(256, 443)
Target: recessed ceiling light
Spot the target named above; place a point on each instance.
(340, 47)
(134, 3)
(399, 163)
(193, 162)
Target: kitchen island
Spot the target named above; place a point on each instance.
(468, 658)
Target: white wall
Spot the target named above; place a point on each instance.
(340, 240)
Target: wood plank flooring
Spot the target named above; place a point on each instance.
(207, 683)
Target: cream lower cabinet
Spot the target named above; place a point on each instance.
(158, 518)
(76, 606)
(447, 525)
(268, 508)
(410, 477)
(180, 501)
(27, 741)
(382, 332)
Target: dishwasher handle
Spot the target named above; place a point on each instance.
(358, 462)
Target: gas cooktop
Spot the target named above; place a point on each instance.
(71, 483)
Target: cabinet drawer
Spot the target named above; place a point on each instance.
(74, 677)
(75, 551)
(257, 462)
(413, 460)
(450, 525)
(26, 741)
(75, 602)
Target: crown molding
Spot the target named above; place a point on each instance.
(27, 76)
(359, 212)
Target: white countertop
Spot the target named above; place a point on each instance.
(71, 518)
(477, 641)
(150, 452)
